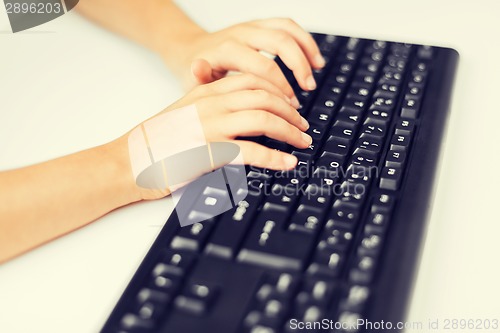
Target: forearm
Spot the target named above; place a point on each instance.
(47, 200)
(157, 24)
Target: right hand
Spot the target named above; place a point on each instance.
(246, 105)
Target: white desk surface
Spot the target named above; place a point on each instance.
(68, 85)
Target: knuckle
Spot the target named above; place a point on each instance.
(250, 80)
(282, 37)
(228, 45)
(262, 94)
(261, 118)
(289, 21)
(270, 66)
(269, 157)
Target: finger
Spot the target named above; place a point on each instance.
(263, 157)
(259, 100)
(240, 82)
(259, 122)
(230, 84)
(202, 71)
(303, 38)
(281, 43)
(235, 56)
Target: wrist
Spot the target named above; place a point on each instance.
(122, 182)
(174, 33)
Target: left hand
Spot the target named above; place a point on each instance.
(205, 57)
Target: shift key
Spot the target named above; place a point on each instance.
(269, 244)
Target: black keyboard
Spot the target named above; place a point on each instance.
(334, 241)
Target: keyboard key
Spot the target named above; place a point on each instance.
(350, 320)
(147, 294)
(405, 127)
(306, 219)
(379, 115)
(344, 216)
(355, 298)
(374, 127)
(317, 197)
(383, 202)
(258, 182)
(268, 243)
(326, 264)
(349, 117)
(336, 146)
(343, 131)
(192, 237)
(390, 179)
(232, 227)
(150, 310)
(326, 180)
(371, 244)
(384, 103)
(369, 142)
(350, 196)
(364, 158)
(174, 263)
(363, 270)
(278, 286)
(378, 222)
(196, 298)
(335, 238)
(168, 284)
(390, 89)
(400, 142)
(320, 116)
(411, 108)
(275, 144)
(312, 150)
(304, 160)
(315, 292)
(330, 162)
(293, 179)
(316, 131)
(134, 322)
(425, 52)
(332, 91)
(355, 103)
(395, 159)
(284, 195)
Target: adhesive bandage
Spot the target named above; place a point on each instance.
(205, 179)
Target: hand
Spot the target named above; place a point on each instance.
(245, 105)
(205, 57)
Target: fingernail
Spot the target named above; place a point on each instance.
(320, 61)
(311, 83)
(290, 160)
(307, 138)
(304, 123)
(295, 102)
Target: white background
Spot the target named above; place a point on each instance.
(68, 85)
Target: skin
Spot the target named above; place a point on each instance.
(39, 203)
(197, 56)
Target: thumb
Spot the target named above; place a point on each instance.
(202, 71)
